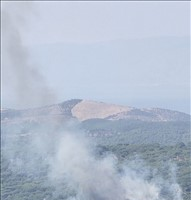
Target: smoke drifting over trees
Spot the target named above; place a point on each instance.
(21, 78)
(72, 166)
(100, 179)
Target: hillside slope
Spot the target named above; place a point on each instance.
(85, 110)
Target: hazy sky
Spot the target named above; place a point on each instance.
(87, 22)
(46, 27)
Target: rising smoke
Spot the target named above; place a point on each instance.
(76, 172)
(100, 179)
(22, 82)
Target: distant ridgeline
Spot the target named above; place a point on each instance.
(104, 123)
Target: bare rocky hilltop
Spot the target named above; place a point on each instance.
(86, 110)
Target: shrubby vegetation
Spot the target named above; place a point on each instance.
(137, 132)
(156, 143)
(21, 185)
(157, 156)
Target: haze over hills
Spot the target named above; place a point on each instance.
(140, 72)
(129, 149)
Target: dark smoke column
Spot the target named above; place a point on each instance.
(22, 83)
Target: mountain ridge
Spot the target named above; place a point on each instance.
(82, 110)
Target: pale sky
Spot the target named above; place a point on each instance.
(130, 53)
(87, 22)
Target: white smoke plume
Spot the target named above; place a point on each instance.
(100, 179)
(76, 171)
(23, 84)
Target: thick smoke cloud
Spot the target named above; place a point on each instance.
(75, 170)
(92, 179)
(22, 83)
(101, 179)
